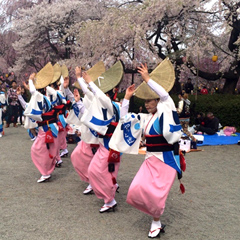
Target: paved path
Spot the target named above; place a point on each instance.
(58, 210)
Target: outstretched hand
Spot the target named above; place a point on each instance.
(129, 92)
(76, 95)
(25, 85)
(78, 72)
(86, 77)
(143, 70)
(66, 82)
(19, 90)
(32, 76)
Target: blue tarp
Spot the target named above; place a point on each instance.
(220, 140)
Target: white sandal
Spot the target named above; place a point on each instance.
(43, 178)
(155, 229)
(88, 190)
(108, 206)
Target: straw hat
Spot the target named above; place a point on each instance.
(65, 72)
(44, 77)
(111, 78)
(57, 72)
(163, 74)
(93, 72)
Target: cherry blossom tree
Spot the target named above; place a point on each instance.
(153, 30)
(83, 32)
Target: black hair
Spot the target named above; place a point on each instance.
(110, 93)
(55, 85)
(42, 91)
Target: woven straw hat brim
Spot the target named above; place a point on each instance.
(93, 72)
(44, 77)
(111, 78)
(64, 71)
(57, 72)
(163, 74)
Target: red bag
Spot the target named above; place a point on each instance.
(114, 156)
(49, 137)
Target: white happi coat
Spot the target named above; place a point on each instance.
(38, 105)
(127, 136)
(75, 117)
(99, 114)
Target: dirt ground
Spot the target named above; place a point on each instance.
(209, 210)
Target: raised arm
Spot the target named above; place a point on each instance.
(61, 87)
(20, 98)
(78, 101)
(92, 85)
(67, 91)
(80, 80)
(32, 88)
(161, 92)
(125, 104)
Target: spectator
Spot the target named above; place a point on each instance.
(13, 104)
(211, 125)
(204, 91)
(188, 86)
(213, 91)
(21, 110)
(200, 119)
(183, 111)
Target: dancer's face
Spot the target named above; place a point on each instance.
(14, 85)
(151, 105)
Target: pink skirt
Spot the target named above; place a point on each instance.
(150, 187)
(41, 156)
(62, 139)
(100, 178)
(57, 140)
(81, 158)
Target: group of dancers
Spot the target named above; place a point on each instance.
(107, 131)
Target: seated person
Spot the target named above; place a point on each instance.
(200, 119)
(211, 125)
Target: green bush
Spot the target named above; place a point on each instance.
(224, 106)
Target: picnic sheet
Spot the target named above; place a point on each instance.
(220, 140)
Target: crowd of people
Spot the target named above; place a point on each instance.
(208, 124)
(107, 131)
(11, 107)
(189, 88)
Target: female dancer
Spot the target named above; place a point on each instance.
(45, 148)
(84, 151)
(161, 129)
(102, 116)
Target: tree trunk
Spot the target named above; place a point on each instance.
(177, 86)
(230, 85)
